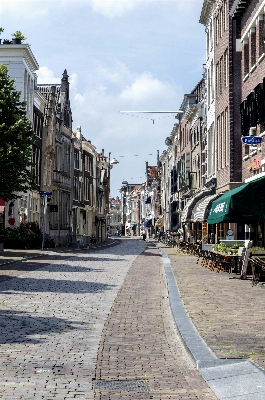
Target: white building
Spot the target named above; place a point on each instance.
(22, 67)
(207, 19)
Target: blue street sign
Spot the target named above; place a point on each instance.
(250, 140)
(43, 193)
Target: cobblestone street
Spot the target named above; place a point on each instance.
(52, 317)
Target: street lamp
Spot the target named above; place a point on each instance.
(114, 161)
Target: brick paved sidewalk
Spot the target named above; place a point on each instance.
(141, 355)
(227, 312)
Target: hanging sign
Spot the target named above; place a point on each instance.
(251, 140)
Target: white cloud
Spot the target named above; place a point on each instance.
(112, 8)
(96, 108)
(45, 75)
(73, 82)
(145, 88)
(29, 9)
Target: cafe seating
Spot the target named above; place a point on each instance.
(258, 267)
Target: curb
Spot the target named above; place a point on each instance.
(235, 379)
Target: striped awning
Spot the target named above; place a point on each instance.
(202, 208)
(187, 211)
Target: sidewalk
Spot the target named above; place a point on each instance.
(228, 312)
(141, 355)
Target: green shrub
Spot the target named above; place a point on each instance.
(25, 236)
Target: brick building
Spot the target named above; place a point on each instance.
(249, 17)
(227, 60)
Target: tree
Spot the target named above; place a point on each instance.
(16, 140)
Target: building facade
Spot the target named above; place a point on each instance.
(22, 66)
(57, 175)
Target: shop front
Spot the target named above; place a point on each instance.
(240, 213)
(194, 216)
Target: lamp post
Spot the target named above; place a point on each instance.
(124, 210)
(44, 195)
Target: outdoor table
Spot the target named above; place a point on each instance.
(222, 260)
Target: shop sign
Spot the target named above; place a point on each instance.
(256, 163)
(251, 140)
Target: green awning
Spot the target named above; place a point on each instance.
(243, 204)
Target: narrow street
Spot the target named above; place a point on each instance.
(93, 325)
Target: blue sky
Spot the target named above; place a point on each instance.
(120, 55)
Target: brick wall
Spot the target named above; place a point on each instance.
(227, 102)
(252, 26)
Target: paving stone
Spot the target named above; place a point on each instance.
(150, 349)
(52, 313)
(227, 311)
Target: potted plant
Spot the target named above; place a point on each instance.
(1, 31)
(17, 37)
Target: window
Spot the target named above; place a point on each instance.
(225, 15)
(253, 46)
(76, 187)
(227, 142)
(207, 44)
(217, 78)
(222, 134)
(76, 159)
(216, 30)
(219, 148)
(221, 74)
(211, 151)
(211, 35)
(261, 35)
(212, 81)
(246, 56)
(226, 68)
(209, 87)
(221, 22)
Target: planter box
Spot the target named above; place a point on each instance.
(206, 246)
(16, 41)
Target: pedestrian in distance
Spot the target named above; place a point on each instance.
(143, 235)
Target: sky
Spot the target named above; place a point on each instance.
(120, 55)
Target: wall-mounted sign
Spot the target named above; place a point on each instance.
(251, 140)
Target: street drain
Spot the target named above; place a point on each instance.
(125, 386)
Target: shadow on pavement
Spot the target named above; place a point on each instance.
(19, 326)
(51, 285)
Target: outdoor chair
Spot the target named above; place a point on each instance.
(245, 259)
(258, 266)
(224, 263)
